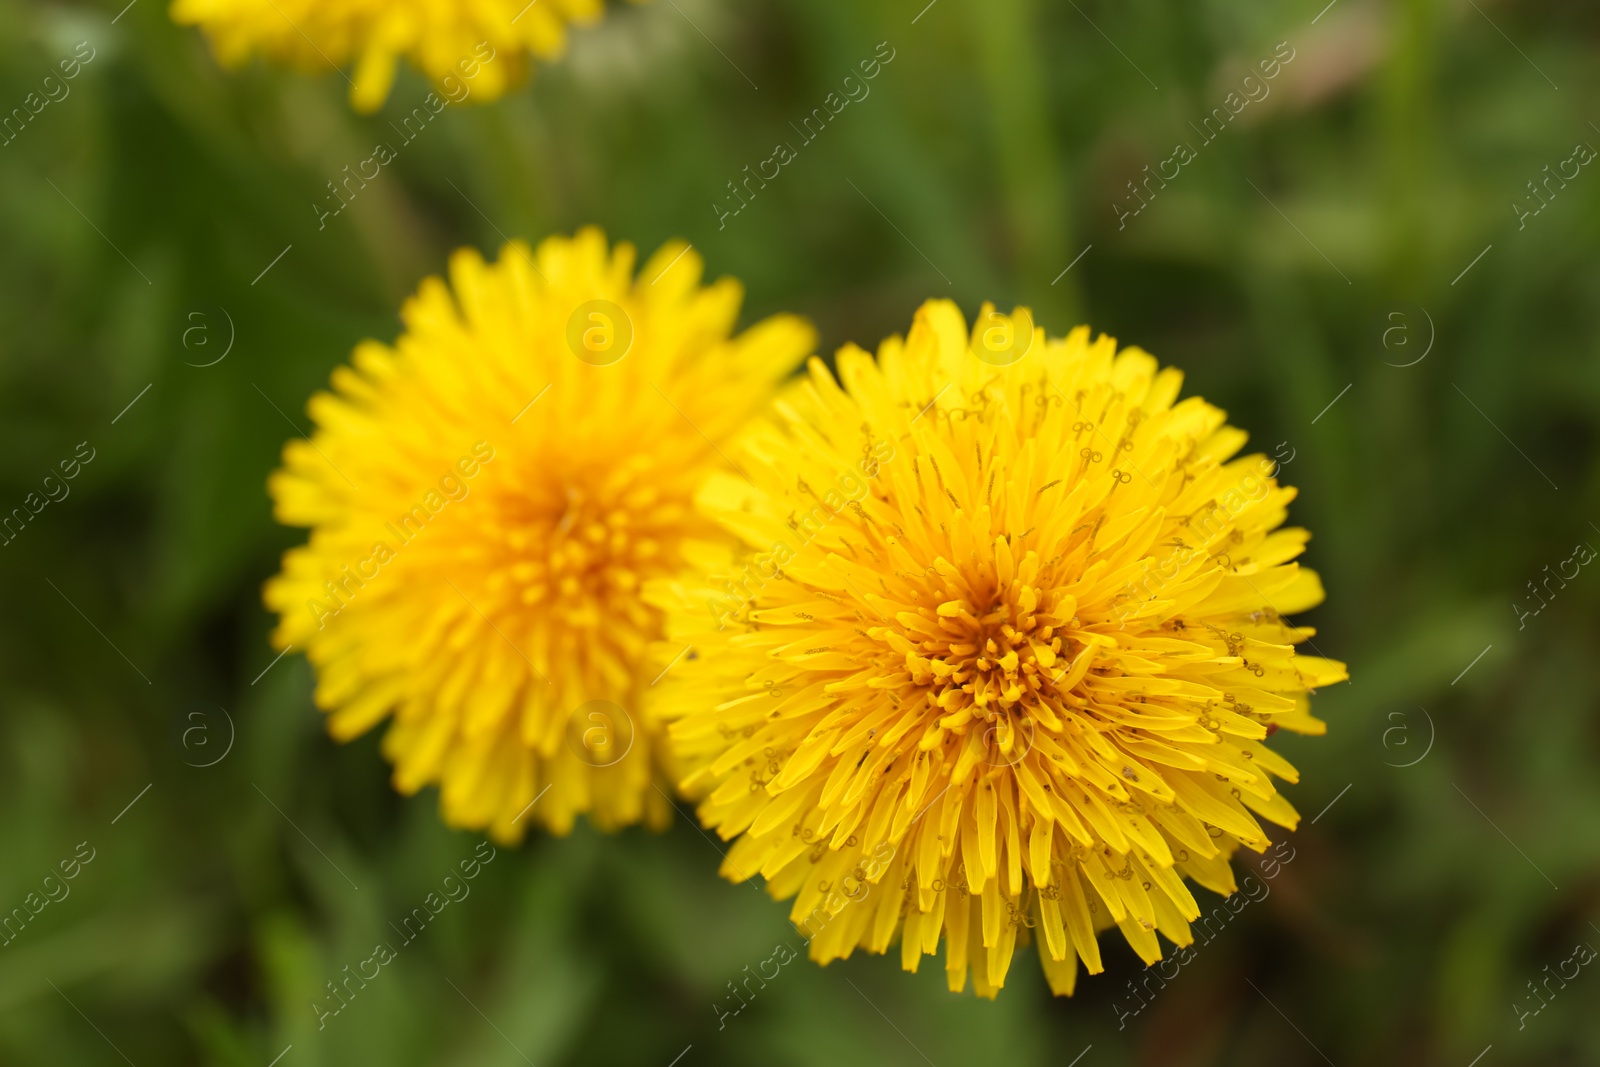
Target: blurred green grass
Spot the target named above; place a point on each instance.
(988, 155)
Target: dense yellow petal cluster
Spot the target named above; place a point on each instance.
(488, 42)
(997, 658)
(486, 500)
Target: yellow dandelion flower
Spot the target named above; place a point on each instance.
(486, 499)
(999, 651)
(483, 46)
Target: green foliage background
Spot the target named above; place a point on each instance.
(988, 155)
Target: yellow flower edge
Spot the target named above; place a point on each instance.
(484, 46)
(487, 497)
(998, 652)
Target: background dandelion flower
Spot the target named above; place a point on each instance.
(486, 498)
(999, 655)
(488, 41)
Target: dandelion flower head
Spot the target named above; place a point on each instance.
(999, 653)
(486, 498)
(484, 45)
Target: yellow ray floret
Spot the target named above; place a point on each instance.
(481, 46)
(998, 653)
(486, 499)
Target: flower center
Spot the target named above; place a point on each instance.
(991, 655)
(580, 551)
